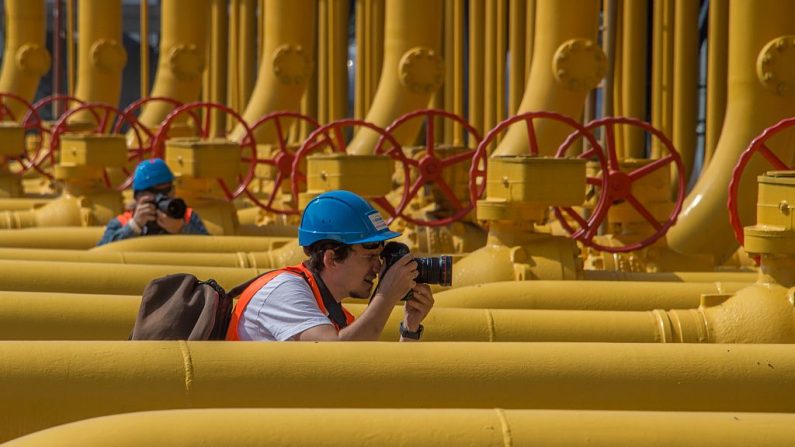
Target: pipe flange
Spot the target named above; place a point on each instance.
(579, 64)
(107, 54)
(775, 66)
(421, 70)
(291, 64)
(33, 59)
(186, 62)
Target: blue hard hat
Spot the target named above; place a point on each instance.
(344, 217)
(151, 172)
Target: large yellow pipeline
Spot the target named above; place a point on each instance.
(191, 243)
(68, 238)
(183, 40)
(633, 74)
(44, 384)
(579, 71)
(685, 91)
(751, 107)
(461, 427)
(412, 69)
(26, 57)
(602, 275)
(286, 63)
(717, 60)
(101, 56)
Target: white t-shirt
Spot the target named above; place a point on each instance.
(282, 309)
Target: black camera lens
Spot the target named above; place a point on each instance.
(438, 270)
(174, 208)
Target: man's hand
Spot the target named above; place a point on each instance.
(399, 279)
(144, 213)
(169, 224)
(417, 308)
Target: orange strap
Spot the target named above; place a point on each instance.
(127, 215)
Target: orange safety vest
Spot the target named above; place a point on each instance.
(128, 215)
(259, 283)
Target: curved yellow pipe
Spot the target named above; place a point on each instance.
(183, 40)
(101, 56)
(412, 70)
(543, 90)
(286, 65)
(68, 238)
(25, 56)
(429, 427)
(193, 243)
(602, 275)
(44, 384)
(751, 107)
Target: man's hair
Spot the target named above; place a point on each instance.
(318, 249)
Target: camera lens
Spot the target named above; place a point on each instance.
(174, 208)
(438, 270)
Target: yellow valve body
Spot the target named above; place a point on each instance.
(204, 159)
(102, 151)
(366, 175)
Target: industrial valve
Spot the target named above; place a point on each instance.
(13, 145)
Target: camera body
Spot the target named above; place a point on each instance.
(434, 270)
(172, 207)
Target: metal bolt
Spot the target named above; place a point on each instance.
(783, 207)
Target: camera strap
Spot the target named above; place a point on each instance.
(333, 307)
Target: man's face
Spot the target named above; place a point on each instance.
(361, 267)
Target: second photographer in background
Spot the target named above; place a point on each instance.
(156, 210)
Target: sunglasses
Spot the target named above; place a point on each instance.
(161, 190)
(372, 245)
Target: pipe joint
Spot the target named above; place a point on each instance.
(421, 70)
(109, 55)
(186, 62)
(579, 64)
(33, 59)
(773, 67)
(291, 64)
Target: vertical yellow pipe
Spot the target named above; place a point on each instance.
(530, 36)
(248, 50)
(70, 47)
(502, 47)
(717, 55)
(219, 37)
(610, 15)
(233, 62)
(144, 53)
(362, 42)
(616, 80)
(338, 58)
(544, 91)
(685, 97)
(323, 56)
(663, 71)
(476, 65)
(378, 9)
(454, 74)
(183, 45)
(703, 225)
(101, 57)
(633, 69)
(490, 58)
(516, 43)
(26, 57)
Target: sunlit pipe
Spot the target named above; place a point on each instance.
(429, 427)
(412, 70)
(544, 91)
(717, 56)
(183, 39)
(68, 238)
(601, 275)
(20, 204)
(685, 88)
(194, 243)
(286, 65)
(101, 56)
(573, 295)
(751, 107)
(44, 384)
(26, 57)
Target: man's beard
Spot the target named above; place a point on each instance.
(356, 294)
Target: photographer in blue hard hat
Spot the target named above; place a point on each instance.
(156, 210)
(343, 236)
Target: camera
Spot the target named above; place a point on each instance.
(174, 208)
(436, 270)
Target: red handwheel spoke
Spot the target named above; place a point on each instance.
(575, 215)
(430, 136)
(448, 192)
(643, 211)
(649, 168)
(610, 143)
(277, 123)
(772, 158)
(340, 139)
(449, 161)
(531, 136)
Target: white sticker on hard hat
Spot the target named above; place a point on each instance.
(378, 221)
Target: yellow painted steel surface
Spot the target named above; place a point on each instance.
(685, 86)
(193, 243)
(412, 69)
(183, 37)
(25, 53)
(487, 427)
(44, 384)
(101, 56)
(596, 275)
(751, 107)
(22, 204)
(717, 61)
(68, 238)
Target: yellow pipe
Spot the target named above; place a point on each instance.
(192, 243)
(751, 107)
(530, 36)
(101, 56)
(662, 72)
(429, 427)
(183, 39)
(575, 295)
(67, 210)
(70, 238)
(337, 41)
(633, 74)
(453, 87)
(475, 73)
(543, 91)
(601, 275)
(70, 47)
(93, 379)
(144, 50)
(286, 63)
(19, 204)
(685, 97)
(517, 43)
(247, 57)
(26, 57)
(215, 75)
(717, 61)
(412, 69)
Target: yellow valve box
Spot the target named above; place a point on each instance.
(540, 181)
(366, 175)
(102, 151)
(12, 139)
(212, 158)
(774, 231)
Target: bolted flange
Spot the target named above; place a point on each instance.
(775, 65)
(186, 62)
(33, 59)
(107, 54)
(421, 70)
(291, 64)
(579, 64)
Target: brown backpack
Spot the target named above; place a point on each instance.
(180, 307)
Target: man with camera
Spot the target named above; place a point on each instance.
(344, 237)
(156, 210)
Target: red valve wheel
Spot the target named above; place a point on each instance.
(429, 167)
(616, 186)
(204, 131)
(320, 139)
(758, 145)
(31, 123)
(529, 118)
(105, 115)
(282, 160)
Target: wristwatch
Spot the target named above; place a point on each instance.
(405, 333)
